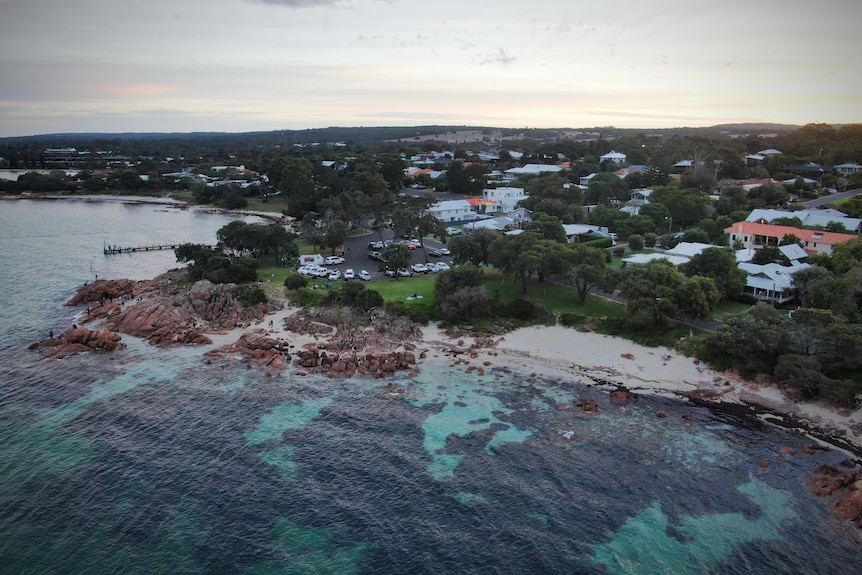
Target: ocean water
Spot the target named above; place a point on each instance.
(150, 461)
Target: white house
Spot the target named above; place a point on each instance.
(453, 211)
(573, 231)
(771, 282)
(529, 170)
(584, 181)
(616, 157)
(506, 199)
(847, 169)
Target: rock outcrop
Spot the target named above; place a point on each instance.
(347, 364)
(265, 351)
(829, 480)
(78, 339)
(102, 291)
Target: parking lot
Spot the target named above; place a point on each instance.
(356, 257)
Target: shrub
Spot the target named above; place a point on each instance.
(619, 251)
(650, 239)
(466, 304)
(570, 319)
(250, 295)
(520, 308)
(295, 281)
(636, 242)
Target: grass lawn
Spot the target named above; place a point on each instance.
(554, 297)
(726, 308)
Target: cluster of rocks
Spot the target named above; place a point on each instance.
(265, 351)
(829, 480)
(347, 364)
(78, 339)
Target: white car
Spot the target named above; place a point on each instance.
(432, 267)
(349, 274)
(334, 276)
(419, 268)
(334, 260)
(364, 275)
(442, 266)
(445, 251)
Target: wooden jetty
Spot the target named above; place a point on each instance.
(129, 250)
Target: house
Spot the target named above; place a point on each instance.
(612, 156)
(640, 196)
(575, 231)
(771, 282)
(821, 218)
(756, 235)
(497, 224)
(521, 216)
(847, 169)
(584, 181)
(688, 249)
(646, 258)
(449, 211)
(633, 169)
(513, 174)
(809, 170)
(506, 199)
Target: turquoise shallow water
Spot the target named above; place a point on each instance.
(150, 461)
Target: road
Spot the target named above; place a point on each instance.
(831, 198)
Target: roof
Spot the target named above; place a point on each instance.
(491, 223)
(480, 202)
(769, 152)
(688, 249)
(772, 276)
(578, 229)
(534, 169)
(646, 258)
(818, 236)
(451, 205)
(820, 218)
(793, 252)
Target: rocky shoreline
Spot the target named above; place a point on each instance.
(165, 312)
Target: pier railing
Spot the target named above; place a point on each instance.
(133, 249)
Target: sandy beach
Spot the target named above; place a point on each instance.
(563, 353)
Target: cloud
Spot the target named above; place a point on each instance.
(301, 3)
(501, 57)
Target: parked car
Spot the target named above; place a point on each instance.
(335, 276)
(404, 273)
(432, 267)
(435, 253)
(375, 245)
(443, 266)
(453, 231)
(390, 273)
(349, 274)
(377, 256)
(364, 275)
(419, 268)
(333, 260)
(445, 251)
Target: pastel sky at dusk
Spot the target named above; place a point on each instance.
(245, 65)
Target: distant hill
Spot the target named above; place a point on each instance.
(369, 135)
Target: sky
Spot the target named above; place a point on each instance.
(250, 65)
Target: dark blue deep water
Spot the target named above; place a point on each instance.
(150, 461)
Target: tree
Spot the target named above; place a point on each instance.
(516, 256)
(473, 248)
(720, 265)
(589, 269)
(768, 255)
(686, 206)
(448, 282)
(296, 182)
(754, 339)
(606, 188)
(398, 256)
(697, 297)
(650, 290)
(636, 242)
(335, 235)
(548, 227)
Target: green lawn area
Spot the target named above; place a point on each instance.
(725, 308)
(554, 297)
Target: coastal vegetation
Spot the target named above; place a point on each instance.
(332, 185)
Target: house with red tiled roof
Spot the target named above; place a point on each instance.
(754, 235)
